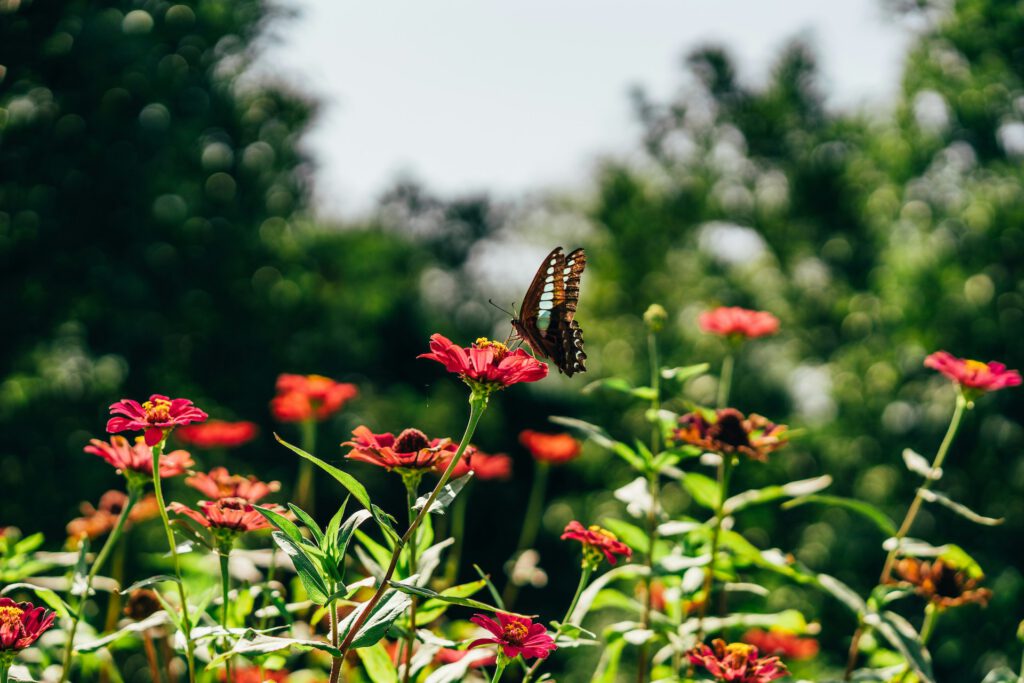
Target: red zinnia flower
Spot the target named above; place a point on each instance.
(219, 483)
(21, 624)
(96, 521)
(486, 365)
(730, 432)
(483, 466)
(155, 417)
(253, 674)
(410, 450)
(515, 635)
(784, 643)
(233, 514)
(218, 434)
(973, 374)
(309, 397)
(596, 541)
(740, 322)
(553, 448)
(736, 662)
(138, 457)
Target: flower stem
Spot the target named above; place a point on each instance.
(588, 570)
(5, 668)
(724, 473)
(225, 587)
(725, 380)
(477, 406)
(499, 670)
(940, 457)
(653, 488)
(134, 492)
(411, 486)
(162, 507)
(304, 487)
(652, 347)
(336, 664)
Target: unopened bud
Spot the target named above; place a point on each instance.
(655, 317)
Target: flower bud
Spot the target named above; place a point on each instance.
(655, 317)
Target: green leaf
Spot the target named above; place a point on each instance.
(898, 632)
(683, 373)
(866, 510)
(309, 522)
(934, 497)
(331, 533)
(955, 556)
(843, 593)
(491, 588)
(253, 643)
(790, 620)
(613, 383)
(608, 666)
(380, 554)
(350, 483)
(384, 613)
(305, 567)
(445, 496)
(433, 608)
(1001, 675)
(149, 581)
(386, 523)
(378, 664)
(80, 578)
(644, 393)
(451, 599)
(52, 600)
(705, 490)
(282, 524)
(346, 531)
(152, 621)
(630, 534)
(793, 489)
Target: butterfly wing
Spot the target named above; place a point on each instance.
(546, 319)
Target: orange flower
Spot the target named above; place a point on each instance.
(733, 321)
(410, 450)
(97, 521)
(941, 583)
(219, 483)
(727, 431)
(309, 397)
(217, 434)
(553, 448)
(783, 643)
(138, 457)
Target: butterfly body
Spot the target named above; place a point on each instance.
(546, 319)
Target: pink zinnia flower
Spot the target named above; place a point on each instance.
(217, 434)
(736, 662)
(138, 457)
(220, 483)
(486, 365)
(596, 541)
(21, 624)
(973, 374)
(553, 448)
(155, 417)
(784, 643)
(410, 450)
(309, 397)
(740, 322)
(515, 635)
(233, 514)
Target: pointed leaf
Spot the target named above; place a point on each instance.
(704, 490)
(866, 510)
(385, 612)
(445, 496)
(378, 664)
(310, 523)
(962, 510)
(803, 487)
(153, 620)
(350, 483)
(684, 373)
(282, 524)
(902, 636)
(305, 568)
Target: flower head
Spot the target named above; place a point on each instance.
(516, 635)
(552, 448)
(21, 624)
(736, 662)
(732, 321)
(487, 365)
(782, 643)
(138, 457)
(942, 583)
(309, 397)
(410, 450)
(220, 483)
(217, 434)
(972, 375)
(100, 520)
(155, 417)
(231, 514)
(483, 465)
(596, 542)
(727, 431)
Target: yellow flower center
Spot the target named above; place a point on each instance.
(975, 365)
(157, 411)
(604, 532)
(10, 617)
(500, 350)
(741, 650)
(515, 632)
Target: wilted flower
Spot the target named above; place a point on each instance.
(727, 431)
(309, 397)
(942, 583)
(552, 448)
(486, 365)
(232, 514)
(142, 603)
(738, 322)
(783, 643)
(21, 624)
(138, 457)
(516, 635)
(217, 434)
(596, 542)
(100, 520)
(973, 375)
(736, 662)
(155, 417)
(219, 483)
(410, 450)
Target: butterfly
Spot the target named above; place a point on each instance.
(545, 320)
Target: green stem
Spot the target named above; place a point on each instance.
(185, 620)
(411, 489)
(336, 664)
(499, 670)
(267, 589)
(477, 406)
(4, 672)
(653, 489)
(652, 347)
(304, 493)
(458, 521)
(931, 616)
(134, 492)
(725, 380)
(585, 575)
(225, 587)
(724, 473)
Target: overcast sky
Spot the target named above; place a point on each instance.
(515, 95)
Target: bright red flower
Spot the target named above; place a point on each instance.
(21, 624)
(233, 514)
(515, 635)
(553, 448)
(740, 322)
(783, 643)
(736, 662)
(219, 483)
(727, 431)
(486, 365)
(155, 417)
(217, 434)
(973, 374)
(484, 467)
(309, 397)
(410, 450)
(253, 674)
(596, 542)
(100, 520)
(138, 457)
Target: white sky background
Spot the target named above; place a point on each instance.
(512, 96)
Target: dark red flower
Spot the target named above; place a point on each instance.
(155, 417)
(516, 635)
(973, 374)
(217, 434)
(138, 457)
(233, 514)
(410, 450)
(596, 542)
(21, 624)
(309, 397)
(783, 643)
(739, 322)
(253, 674)
(100, 520)
(219, 483)
(736, 662)
(553, 448)
(486, 365)
(942, 583)
(727, 431)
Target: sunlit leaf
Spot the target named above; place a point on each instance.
(445, 496)
(311, 579)
(705, 490)
(793, 489)
(934, 497)
(378, 664)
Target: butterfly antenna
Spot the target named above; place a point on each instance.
(502, 309)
